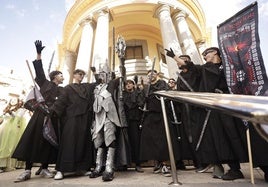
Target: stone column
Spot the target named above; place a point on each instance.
(169, 37)
(101, 42)
(85, 48)
(68, 67)
(185, 37)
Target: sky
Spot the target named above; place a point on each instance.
(24, 21)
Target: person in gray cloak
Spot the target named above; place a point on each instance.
(104, 132)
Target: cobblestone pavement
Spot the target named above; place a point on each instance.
(130, 178)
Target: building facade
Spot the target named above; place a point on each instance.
(91, 29)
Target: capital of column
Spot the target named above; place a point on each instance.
(162, 9)
(87, 21)
(102, 12)
(178, 14)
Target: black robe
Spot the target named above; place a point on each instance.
(184, 147)
(132, 103)
(32, 146)
(224, 138)
(179, 132)
(76, 151)
(259, 148)
(153, 134)
(123, 152)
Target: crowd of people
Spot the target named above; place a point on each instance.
(91, 136)
(216, 138)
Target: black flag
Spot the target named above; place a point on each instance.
(239, 43)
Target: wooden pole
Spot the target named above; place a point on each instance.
(31, 73)
(250, 157)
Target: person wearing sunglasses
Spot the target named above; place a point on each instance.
(153, 144)
(74, 108)
(172, 84)
(217, 146)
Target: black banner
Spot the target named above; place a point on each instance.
(239, 43)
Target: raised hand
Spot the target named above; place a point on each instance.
(39, 47)
(170, 53)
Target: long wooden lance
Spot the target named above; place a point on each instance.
(51, 61)
(114, 50)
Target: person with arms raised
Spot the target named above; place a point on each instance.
(33, 147)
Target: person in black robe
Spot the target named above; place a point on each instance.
(153, 136)
(259, 150)
(190, 75)
(184, 130)
(33, 147)
(189, 81)
(133, 100)
(75, 108)
(223, 139)
(175, 126)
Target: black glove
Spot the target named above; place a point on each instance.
(39, 47)
(170, 53)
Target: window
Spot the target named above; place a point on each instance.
(134, 52)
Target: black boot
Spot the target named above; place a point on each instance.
(108, 174)
(232, 175)
(234, 172)
(99, 164)
(180, 165)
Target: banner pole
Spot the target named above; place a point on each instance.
(250, 157)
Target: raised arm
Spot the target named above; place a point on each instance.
(39, 48)
(171, 54)
(38, 66)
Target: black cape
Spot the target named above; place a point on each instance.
(32, 146)
(153, 134)
(74, 106)
(224, 137)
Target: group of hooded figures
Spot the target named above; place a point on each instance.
(87, 119)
